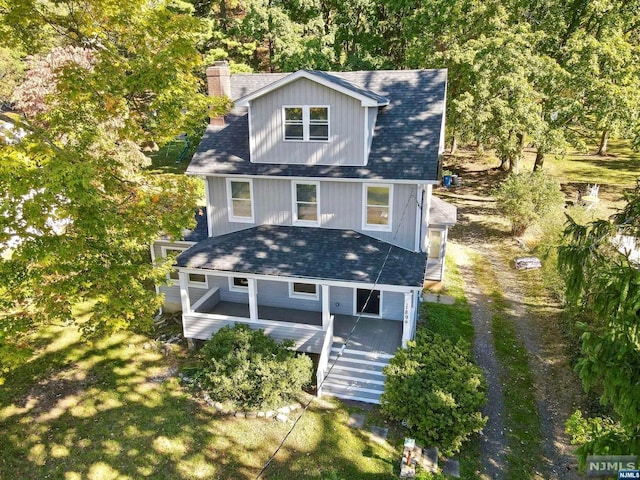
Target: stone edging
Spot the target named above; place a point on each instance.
(279, 414)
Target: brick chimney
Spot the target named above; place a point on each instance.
(218, 85)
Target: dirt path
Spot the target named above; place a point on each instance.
(492, 447)
(557, 388)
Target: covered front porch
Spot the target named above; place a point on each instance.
(304, 327)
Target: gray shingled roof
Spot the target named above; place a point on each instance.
(405, 144)
(441, 212)
(350, 86)
(305, 252)
(197, 233)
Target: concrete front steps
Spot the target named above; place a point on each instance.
(356, 375)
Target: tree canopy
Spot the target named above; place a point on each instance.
(78, 208)
(602, 269)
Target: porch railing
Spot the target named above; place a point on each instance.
(323, 362)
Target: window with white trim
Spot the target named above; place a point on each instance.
(306, 123)
(238, 284)
(306, 203)
(195, 279)
(240, 200)
(308, 291)
(377, 200)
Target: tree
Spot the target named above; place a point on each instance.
(75, 193)
(603, 294)
(606, 80)
(11, 70)
(433, 386)
(526, 198)
(40, 82)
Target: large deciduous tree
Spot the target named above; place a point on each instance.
(602, 269)
(78, 209)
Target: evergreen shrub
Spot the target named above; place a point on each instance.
(251, 369)
(436, 390)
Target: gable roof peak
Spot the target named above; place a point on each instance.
(367, 98)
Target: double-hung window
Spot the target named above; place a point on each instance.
(306, 203)
(306, 123)
(240, 200)
(377, 200)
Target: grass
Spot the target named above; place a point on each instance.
(166, 159)
(451, 321)
(522, 422)
(110, 410)
(620, 167)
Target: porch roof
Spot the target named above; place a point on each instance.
(307, 253)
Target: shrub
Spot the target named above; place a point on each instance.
(434, 387)
(251, 369)
(525, 198)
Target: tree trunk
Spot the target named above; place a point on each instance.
(505, 164)
(517, 156)
(604, 140)
(539, 163)
(454, 144)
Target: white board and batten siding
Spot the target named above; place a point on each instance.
(341, 207)
(346, 145)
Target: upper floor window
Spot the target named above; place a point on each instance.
(304, 123)
(306, 203)
(240, 200)
(377, 202)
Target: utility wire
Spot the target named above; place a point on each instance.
(345, 343)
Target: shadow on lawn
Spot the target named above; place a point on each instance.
(349, 453)
(112, 409)
(101, 413)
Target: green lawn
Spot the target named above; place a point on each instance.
(102, 411)
(619, 168)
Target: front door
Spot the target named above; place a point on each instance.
(371, 307)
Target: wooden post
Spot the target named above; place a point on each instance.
(407, 319)
(183, 279)
(326, 315)
(253, 299)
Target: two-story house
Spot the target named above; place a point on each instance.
(320, 222)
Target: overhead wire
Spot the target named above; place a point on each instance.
(346, 342)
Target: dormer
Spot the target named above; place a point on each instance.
(311, 118)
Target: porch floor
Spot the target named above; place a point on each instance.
(269, 313)
(371, 334)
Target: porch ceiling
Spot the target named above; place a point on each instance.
(306, 252)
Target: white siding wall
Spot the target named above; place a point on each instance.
(341, 206)
(346, 127)
(276, 294)
(341, 300)
(392, 305)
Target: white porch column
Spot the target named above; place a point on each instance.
(183, 279)
(407, 319)
(325, 307)
(253, 299)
